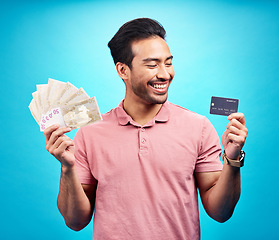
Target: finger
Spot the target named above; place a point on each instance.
(64, 145)
(239, 116)
(234, 130)
(58, 142)
(48, 131)
(237, 139)
(60, 150)
(234, 122)
(55, 135)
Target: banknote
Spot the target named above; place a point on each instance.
(62, 103)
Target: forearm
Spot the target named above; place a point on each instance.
(72, 201)
(220, 191)
(222, 198)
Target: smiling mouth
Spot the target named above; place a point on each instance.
(159, 87)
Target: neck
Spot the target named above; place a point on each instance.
(141, 112)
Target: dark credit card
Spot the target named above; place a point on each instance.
(223, 106)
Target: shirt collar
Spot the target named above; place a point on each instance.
(124, 118)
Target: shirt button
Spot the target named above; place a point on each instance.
(143, 140)
(142, 129)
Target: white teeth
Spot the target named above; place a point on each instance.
(159, 86)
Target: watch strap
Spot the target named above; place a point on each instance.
(235, 163)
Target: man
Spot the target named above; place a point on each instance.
(140, 167)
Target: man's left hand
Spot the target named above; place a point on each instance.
(235, 135)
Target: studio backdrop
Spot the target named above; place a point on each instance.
(220, 48)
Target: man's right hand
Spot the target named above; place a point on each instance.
(75, 200)
(59, 145)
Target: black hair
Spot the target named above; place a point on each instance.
(134, 30)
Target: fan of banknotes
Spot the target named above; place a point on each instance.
(62, 103)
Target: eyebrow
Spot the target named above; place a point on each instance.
(156, 59)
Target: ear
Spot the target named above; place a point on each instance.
(122, 70)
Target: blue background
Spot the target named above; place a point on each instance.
(220, 48)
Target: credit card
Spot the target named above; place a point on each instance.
(223, 106)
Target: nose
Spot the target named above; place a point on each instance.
(163, 73)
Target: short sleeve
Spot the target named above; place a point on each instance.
(82, 165)
(210, 150)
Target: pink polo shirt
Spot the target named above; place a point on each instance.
(146, 186)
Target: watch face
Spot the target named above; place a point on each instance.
(242, 155)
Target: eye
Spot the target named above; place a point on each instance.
(168, 64)
(151, 65)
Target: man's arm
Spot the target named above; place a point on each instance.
(75, 201)
(220, 191)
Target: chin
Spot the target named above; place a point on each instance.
(160, 100)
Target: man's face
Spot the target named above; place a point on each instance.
(151, 72)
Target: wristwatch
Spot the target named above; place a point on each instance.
(234, 163)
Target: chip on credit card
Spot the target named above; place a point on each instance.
(223, 106)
